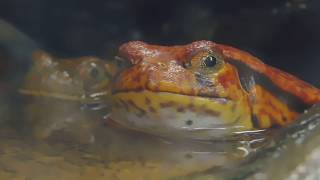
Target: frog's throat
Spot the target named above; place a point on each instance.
(91, 98)
(165, 113)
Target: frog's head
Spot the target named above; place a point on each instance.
(85, 79)
(188, 90)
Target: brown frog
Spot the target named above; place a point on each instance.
(82, 79)
(63, 95)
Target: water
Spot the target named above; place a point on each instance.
(69, 146)
(64, 140)
(59, 139)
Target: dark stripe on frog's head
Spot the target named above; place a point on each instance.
(249, 78)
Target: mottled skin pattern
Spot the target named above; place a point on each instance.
(81, 79)
(180, 73)
(287, 82)
(160, 68)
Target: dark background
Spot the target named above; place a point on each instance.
(285, 34)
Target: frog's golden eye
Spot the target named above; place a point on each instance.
(94, 71)
(205, 60)
(91, 70)
(94, 75)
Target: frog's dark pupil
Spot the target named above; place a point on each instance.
(94, 72)
(210, 61)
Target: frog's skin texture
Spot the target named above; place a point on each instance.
(176, 91)
(80, 79)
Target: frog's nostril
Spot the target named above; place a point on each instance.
(187, 65)
(162, 65)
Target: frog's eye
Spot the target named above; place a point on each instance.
(210, 61)
(96, 71)
(94, 75)
(93, 71)
(205, 60)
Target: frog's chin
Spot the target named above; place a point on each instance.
(176, 115)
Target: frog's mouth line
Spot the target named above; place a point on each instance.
(165, 96)
(91, 98)
(213, 97)
(150, 102)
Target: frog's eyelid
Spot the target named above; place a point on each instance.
(201, 50)
(199, 54)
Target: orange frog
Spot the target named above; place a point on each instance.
(204, 90)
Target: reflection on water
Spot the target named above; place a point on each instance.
(292, 154)
(296, 151)
(123, 159)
